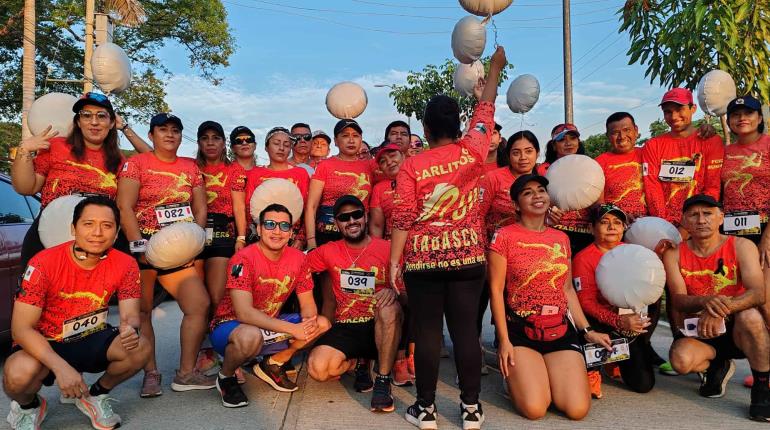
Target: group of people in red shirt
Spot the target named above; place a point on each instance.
(391, 243)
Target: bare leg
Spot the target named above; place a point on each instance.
(124, 364)
(751, 337)
(148, 278)
(326, 362)
(528, 383)
(569, 383)
(22, 377)
(216, 277)
(244, 343)
(297, 345)
(690, 355)
(387, 331)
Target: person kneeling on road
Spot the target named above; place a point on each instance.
(368, 314)
(59, 322)
(717, 283)
(260, 278)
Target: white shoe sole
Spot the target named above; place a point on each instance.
(95, 424)
(473, 425)
(179, 388)
(429, 425)
(230, 405)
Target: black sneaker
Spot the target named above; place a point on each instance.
(289, 368)
(760, 404)
(232, 394)
(422, 417)
(274, 375)
(382, 399)
(716, 378)
(472, 415)
(363, 383)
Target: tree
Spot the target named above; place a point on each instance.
(596, 145)
(199, 27)
(410, 99)
(658, 127)
(10, 136)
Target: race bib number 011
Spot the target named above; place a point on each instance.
(742, 223)
(676, 171)
(271, 337)
(596, 355)
(357, 282)
(170, 214)
(83, 325)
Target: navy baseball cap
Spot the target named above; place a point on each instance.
(165, 118)
(345, 123)
(523, 180)
(241, 129)
(747, 102)
(211, 125)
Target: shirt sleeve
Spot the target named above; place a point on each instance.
(304, 281)
(131, 169)
(376, 201)
(713, 158)
(487, 190)
(240, 274)
(42, 162)
(478, 138)
(315, 260)
(130, 286)
(322, 171)
(197, 177)
(34, 285)
(584, 280)
(653, 189)
(303, 182)
(238, 179)
(405, 201)
(499, 243)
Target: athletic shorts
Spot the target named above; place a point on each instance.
(724, 345)
(88, 355)
(569, 342)
(220, 336)
(355, 340)
(213, 251)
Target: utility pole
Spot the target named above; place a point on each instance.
(568, 114)
(89, 49)
(28, 65)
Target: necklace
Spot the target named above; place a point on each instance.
(353, 261)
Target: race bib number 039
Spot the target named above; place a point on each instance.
(357, 282)
(271, 337)
(596, 355)
(83, 325)
(676, 171)
(742, 223)
(170, 214)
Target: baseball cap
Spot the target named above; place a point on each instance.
(210, 125)
(498, 127)
(522, 181)
(96, 99)
(346, 200)
(600, 211)
(386, 148)
(560, 131)
(345, 123)
(321, 133)
(747, 102)
(700, 199)
(241, 129)
(680, 96)
(165, 118)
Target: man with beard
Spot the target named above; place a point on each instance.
(367, 321)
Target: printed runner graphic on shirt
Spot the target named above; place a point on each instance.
(714, 283)
(358, 188)
(740, 175)
(634, 181)
(108, 180)
(687, 187)
(555, 253)
(280, 288)
(212, 181)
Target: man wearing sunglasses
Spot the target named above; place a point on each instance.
(367, 321)
(301, 138)
(247, 322)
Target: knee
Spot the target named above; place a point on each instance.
(323, 324)
(577, 410)
(390, 314)
(316, 368)
(750, 322)
(18, 374)
(680, 361)
(531, 409)
(247, 341)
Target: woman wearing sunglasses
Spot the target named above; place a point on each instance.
(86, 161)
(150, 186)
(243, 144)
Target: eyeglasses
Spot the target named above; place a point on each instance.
(243, 140)
(269, 224)
(347, 216)
(306, 137)
(87, 115)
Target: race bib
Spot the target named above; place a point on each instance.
(357, 282)
(170, 214)
(271, 337)
(596, 355)
(676, 171)
(83, 325)
(742, 223)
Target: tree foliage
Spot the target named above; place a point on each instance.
(199, 27)
(679, 41)
(596, 145)
(10, 135)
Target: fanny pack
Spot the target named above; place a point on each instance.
(542, 328)
(325, 219)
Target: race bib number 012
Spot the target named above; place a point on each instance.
(596, 355)
(83, 325)
(271, 337)
(170, 214)
(357, 282)
(677, 171)
(742, 223)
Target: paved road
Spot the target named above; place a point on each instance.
(674, 403)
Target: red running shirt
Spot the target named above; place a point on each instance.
(256, 176)
(496, 204)
(718, 273)
(538, 264)
(64, 290)
(437, 200)
(64, 175)
(665, 199)
(221, 180)
(623, 185)
(269, 282)
(488, 167)
(746, 177)
(584, 279)
(382, 198)
(333, 257)
(162, 183)
(342, 177)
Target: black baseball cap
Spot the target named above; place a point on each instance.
(522, 181)
(498, 127)
(165, 118)
(211, 125)
(95, 99)
(345, 123)
(747, 102)
(346, 200)
(241, 129)
(700, 199)
(600, 211)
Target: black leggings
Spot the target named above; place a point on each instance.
(32, 244)
(454, 293)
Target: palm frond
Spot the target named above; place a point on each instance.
(129, 12)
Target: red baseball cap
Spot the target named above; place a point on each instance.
(680, 96)
(561, 130)
(385, 148)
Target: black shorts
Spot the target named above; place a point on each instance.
(88, 354)
(569, 342)
(212, 251)
(355, 340)
(724, 345)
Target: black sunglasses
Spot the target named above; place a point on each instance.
(347, 216)
(305, 137)
(269, 224)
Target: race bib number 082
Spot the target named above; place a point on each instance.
(170, 214)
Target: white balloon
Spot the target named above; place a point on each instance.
(466, 76)
(54, 109)
(650, 230)
(346, 100)
(575, 182)
(111, 68)
(276, 190)
(56, 219)
(631, 277)
(523, 93)
(468, 39)
(485, 7)
(715, 91)
(175, 245)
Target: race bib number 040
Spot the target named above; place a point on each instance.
(170, 214)
(596, 355)
(83, 325)
(742, 223)
(677, 171)
(357, 282)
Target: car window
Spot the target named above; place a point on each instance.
(13, 206)
(34, 204)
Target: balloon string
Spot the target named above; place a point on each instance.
(521, 127)
(494, 29)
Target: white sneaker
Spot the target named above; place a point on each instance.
(99, 411)
(472, 415)
(422, 418)
(27, 419)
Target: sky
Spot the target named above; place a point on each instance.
(290, 53)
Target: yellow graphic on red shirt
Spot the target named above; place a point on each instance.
(213, 181)
(96, 301)
(107, 179)
(748, 161)
(547, 266)
(281, 288)
(634, 182)
(362, 180)
(443, 199)
(718, 281)
(676, 187)
(173, 194)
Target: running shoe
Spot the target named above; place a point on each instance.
(363, 382)
(151, 385)
(410, 366)
(207, 363)
(613, 371)
(401, 376)
(99, 411)
(667, 369)
(472, 416)
(715, 382)
(194, 380)
(231, 392)
(595, 383)
(760, 404)
(422, 417)
(289, 368)
(382, 399)
(27, 419)
(275, 376)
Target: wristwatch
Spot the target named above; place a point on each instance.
(585, 330)
(125, 126)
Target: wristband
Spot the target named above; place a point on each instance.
(241, 239)
(587, 329)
